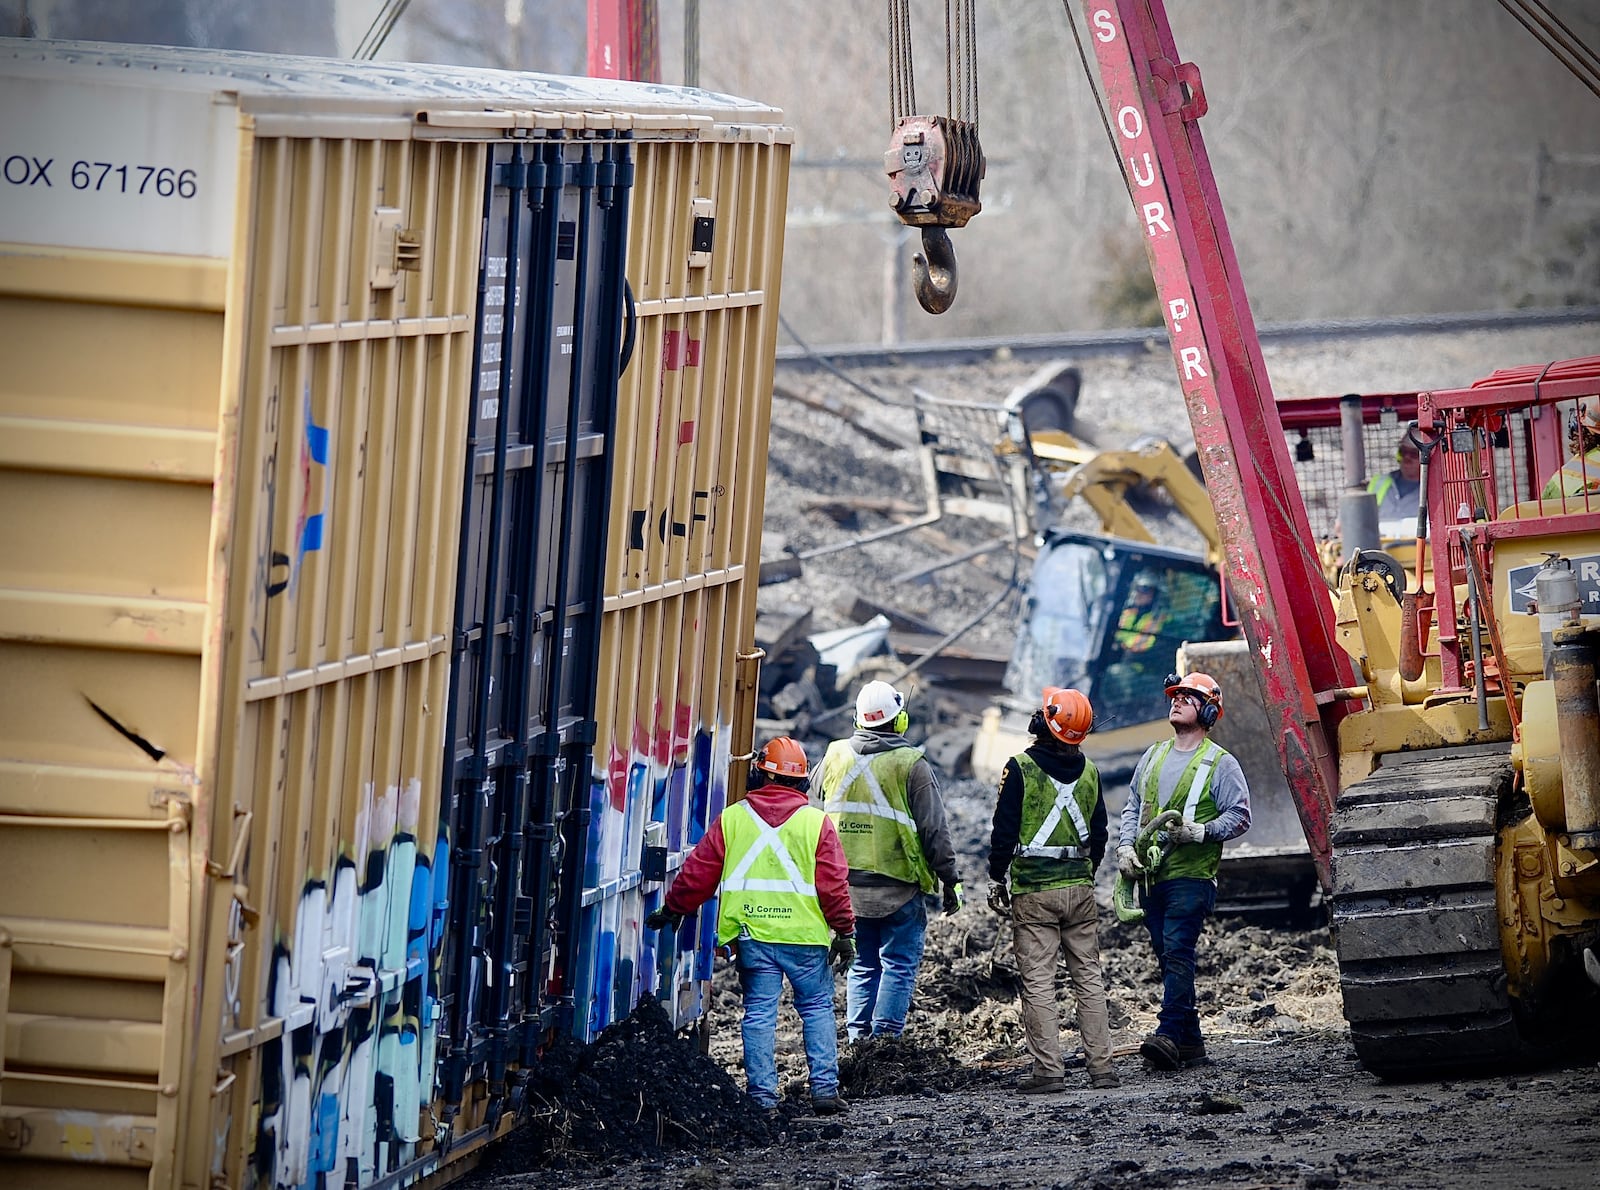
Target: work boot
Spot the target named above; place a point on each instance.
(827, 1105)
(1105, 1080)
(1161, 1052)
(1042, 1084)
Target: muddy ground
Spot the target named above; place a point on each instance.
(1282, 1103)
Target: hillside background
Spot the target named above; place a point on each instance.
(1375, 158)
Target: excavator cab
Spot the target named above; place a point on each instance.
(1106, 616)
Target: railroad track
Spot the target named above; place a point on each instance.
(800, 358)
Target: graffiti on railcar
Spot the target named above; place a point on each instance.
(357, 987)
(677, 775)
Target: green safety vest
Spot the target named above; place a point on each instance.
(1138, 631)
(1577, 475)
(769, 878)
(1193, 798)
(866, 798)
(1053, 846)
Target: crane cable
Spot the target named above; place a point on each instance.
(960, 61)
(1549, 31)
(378, 32)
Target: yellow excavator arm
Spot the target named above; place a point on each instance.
(1104, 477)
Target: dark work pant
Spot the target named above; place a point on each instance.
(1174, 911)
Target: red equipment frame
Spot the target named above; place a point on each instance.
(1154, 103)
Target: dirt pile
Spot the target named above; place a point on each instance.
(639, 1091)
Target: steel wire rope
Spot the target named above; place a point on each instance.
(378, 32)
(1307, 553)
(1543, 24)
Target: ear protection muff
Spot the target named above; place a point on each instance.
(901, 722)
(1208, 713)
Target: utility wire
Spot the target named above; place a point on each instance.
(829, 366)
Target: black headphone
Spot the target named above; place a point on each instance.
(1209, 712)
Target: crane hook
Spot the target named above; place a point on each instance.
(933, 271)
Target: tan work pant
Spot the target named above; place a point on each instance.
(1043, 925)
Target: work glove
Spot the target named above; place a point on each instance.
(953, 897)
(663, 918)
(999, 897)
(843, 952)
(1190, 831)
(1128, 862)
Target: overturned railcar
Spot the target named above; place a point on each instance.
(381, 451)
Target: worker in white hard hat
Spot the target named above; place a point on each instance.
(884, 800)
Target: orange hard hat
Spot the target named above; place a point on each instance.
(1202, 684)
(1067, 714)
(782, 756)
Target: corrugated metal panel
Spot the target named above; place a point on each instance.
(351, 410)
(112, 353)
(681, 574)
(229, 607)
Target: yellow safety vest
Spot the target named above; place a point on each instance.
(866, 796)
(1137, 631)
(1577, 475)
(769, 878)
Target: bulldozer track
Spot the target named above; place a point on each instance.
(1415, 923)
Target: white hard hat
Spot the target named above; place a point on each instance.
(878, 704)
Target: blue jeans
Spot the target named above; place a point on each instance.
(1174, 911)
(888, 953)
(762, 967)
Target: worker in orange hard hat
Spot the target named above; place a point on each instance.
(775, 864)
(1202, 787)
(1049, 835)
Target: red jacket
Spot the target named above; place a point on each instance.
(701, 873)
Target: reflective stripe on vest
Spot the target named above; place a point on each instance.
(1577, 475)
(868, 798)
(768, 889)
(1066, 799)
(767, 839)
(879, 806)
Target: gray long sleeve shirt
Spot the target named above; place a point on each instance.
(873, 894)
(1228, 790)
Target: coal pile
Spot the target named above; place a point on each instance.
(639, 1091)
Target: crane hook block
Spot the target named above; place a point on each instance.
(935, 167)
(933, 271)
